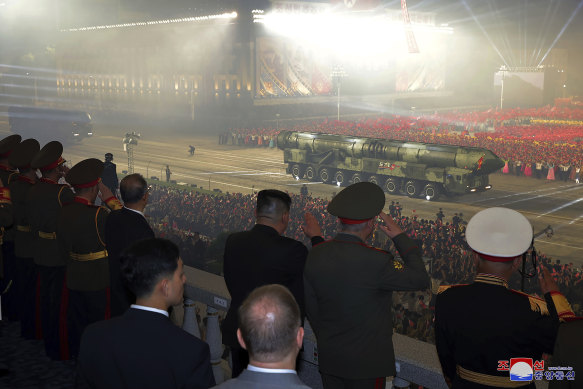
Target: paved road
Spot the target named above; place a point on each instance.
(235, 169)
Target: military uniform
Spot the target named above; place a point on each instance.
(44, 203)
(480, 324)
(348, 294)
(26, 277)
(81, 236)
(10, 306)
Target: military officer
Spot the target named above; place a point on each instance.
(44, 203)
(81, 236)
(10, 307)
(26, 275)
(480, 324)
(348, 290)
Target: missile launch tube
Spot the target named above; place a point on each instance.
(435, 155)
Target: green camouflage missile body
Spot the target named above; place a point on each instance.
(417, 169)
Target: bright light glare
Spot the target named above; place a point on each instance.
(427, 198)
(347, 34)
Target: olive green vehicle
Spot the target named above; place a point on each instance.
(416, 169)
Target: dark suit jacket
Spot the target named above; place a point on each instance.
(257, 380)
(259, 257)
(568, 354)
(349, 289)
(123, 227)
(142, 350)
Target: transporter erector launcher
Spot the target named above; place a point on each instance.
(417, 169)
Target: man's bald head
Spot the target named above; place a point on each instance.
(269, 321)
(133, 188)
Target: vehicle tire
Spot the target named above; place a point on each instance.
(374, 180)
(339, 177)
(412, 188)
(392, 185)
(311, 173)
(297, 171)
(356, 177)
(325, 175)
(431, 192)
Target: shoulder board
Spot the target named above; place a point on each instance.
(443, 288)
(536, 304)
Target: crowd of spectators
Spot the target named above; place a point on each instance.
(178, 214)
(531, 141)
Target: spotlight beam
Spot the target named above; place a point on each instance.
(468, 8)
(562, 31)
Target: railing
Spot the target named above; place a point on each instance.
(417, 361)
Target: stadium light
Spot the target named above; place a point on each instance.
(365, 38)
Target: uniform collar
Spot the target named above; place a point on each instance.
(344, 237)
(26, 179)
(48, 181)
(81, 200)
(486, 278)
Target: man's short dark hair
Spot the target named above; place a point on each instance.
(269, 320)
(272, 202)
(145, 262)
(133, 187)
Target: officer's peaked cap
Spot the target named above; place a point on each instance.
(499, 234)
(8, 144)
(360, 201)
(23, 153)
(85, 174)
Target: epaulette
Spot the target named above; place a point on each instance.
(536, 304)
(443, 288)
(113, 203)
(564, 310)
(5, 196)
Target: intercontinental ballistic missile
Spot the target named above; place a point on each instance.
(416, 169)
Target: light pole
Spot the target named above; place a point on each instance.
(129, 141)
(277, 116)
(337, 75)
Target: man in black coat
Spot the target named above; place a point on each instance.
(262, 256)
(124, 227)
(109, 175)
(143, 348)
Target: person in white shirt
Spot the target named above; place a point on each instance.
(270, 330)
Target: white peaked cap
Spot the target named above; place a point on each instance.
(499, 232)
